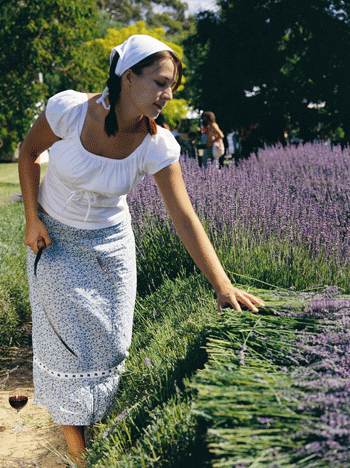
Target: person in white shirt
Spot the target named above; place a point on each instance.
(233, 143)
(101, 146)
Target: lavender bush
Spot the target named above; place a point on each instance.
(276, 389)
(281, 218)
(324, 373)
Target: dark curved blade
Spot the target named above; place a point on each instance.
(37, 258)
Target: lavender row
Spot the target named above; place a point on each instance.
(275, 391)
(289, 201)
(324, 374)
(320, 368)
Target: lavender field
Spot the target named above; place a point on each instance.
(281, 218)
(239, 390)
(274, 388)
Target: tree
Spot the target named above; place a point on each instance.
(175, 111)
(38, 37)
(170, 14)
(106, 22)
(291, 52)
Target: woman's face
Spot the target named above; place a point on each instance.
(150, 91)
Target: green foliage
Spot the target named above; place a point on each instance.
(9, 319)
(15, 315)
(170, 327)
(293, 52)
(169, 14)
(279, 264)
(105, 22)
(169, 440)
(175, 111)
(40, 37)
(234, 401)
(242, 412)
(158, 258)
(251, 405)
(14, 301)
(166, 439)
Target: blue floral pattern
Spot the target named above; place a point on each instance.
(87, 280)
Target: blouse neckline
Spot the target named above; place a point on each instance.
(93, 155)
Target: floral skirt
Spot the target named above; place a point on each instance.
(87, 288)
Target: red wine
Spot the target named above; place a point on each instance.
(18, 401)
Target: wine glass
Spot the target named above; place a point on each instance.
(18, 400)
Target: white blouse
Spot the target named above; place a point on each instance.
(87, 191)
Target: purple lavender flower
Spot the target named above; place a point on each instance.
(105, 434)
(122, 415)
(241, 358)
(292, 193)
(148, 362)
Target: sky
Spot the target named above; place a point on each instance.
(195, 6)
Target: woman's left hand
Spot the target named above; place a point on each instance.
(234, 296)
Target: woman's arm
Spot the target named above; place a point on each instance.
(39, 138)
(196, 241)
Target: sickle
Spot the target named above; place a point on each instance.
(42, 245)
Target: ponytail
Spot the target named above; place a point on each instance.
(114, 88)
(151, 126)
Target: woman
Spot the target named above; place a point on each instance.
(213, 134)
(101, 147)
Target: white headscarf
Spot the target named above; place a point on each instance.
(131, 52)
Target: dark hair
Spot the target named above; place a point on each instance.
(208, 117)
(160, 120)
(114, 87)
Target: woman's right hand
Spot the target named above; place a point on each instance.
(36, 232)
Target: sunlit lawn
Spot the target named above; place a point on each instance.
(9, 180)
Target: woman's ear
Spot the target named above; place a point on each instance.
(128, 77)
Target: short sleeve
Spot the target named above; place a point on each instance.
(63, 112)
(162, 151)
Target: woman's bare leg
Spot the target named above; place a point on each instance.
(76, 444)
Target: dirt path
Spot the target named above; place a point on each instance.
(41, 443)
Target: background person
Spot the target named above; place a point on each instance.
(233, 144)
(101, 147)
(214, 134)
(204, 138)
(192, 137)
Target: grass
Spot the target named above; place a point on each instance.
(236, 405)
(170, 330)
(13, 281)
(9, 180)
(14, 301)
